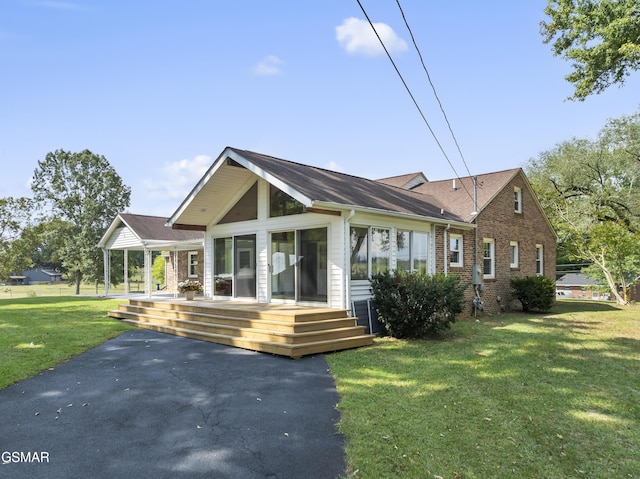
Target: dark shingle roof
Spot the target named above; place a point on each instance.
(153, 228)
(323, 185)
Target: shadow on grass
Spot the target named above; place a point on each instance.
(549, 395)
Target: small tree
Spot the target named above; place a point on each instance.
(416, 305)
(534, 292)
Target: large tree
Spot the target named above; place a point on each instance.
(84, 192)
(600, 37)
(591, 191)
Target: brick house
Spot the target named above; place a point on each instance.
(277, 231)
(513, 236)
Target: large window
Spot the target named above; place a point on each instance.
(412, 251)
(245, 209)
(371, 251)
(281, 204)
(380, 250)
(488, 264)
(359, 252)
(455, 251)
(419, 252)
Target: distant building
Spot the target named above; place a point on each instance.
(577, 285)
(36, 276)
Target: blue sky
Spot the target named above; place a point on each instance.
(161, 87)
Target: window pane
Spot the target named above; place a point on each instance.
(281, 204)
(419, 249)
(359, 253)
(380, 250)
(222, 266)
(245, 209)
(403, 240)
(488, 259)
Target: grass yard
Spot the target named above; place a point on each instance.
(518, 395)
(37, 333)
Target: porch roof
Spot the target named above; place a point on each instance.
(310, 185)
(131, 231)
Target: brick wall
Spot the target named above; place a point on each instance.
(183, 264)
(499, 221)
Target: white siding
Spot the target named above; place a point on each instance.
(123, 238)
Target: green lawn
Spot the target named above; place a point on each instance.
(37, 333)
(525, 396)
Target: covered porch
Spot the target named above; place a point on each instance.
(282, 329)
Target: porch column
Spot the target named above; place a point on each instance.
(147, 273)
(126, 272)
(175, 273)
(107, 270)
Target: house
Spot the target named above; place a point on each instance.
(37, 276)
(130, 232)
(577, 285)
(277, 231)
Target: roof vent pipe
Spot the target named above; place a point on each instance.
(454, 185)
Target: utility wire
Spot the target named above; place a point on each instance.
(424, 118)
(433, 87)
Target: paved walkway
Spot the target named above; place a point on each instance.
(150, 405)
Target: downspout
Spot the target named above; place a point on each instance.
(347, 262)
(445, 250)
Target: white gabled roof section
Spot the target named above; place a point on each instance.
(196, 209)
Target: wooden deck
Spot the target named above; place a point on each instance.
(285, 330)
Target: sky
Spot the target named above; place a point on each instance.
(160, 88)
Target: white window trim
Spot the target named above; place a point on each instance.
(540, 259)
(516, 263)
(491, 242)
(460, 262)
(190, 263)
(518, 192)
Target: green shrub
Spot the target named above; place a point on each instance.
(536, 293)
(416, 305)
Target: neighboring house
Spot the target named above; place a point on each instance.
(37, 276)
(276, 231)
(577, 285)
(129, 232)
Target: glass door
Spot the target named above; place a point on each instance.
(245, 266)
(283, 262)
(313, 263)
(299, 263)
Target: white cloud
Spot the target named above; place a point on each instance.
(177, 179)
(269, 66)
(357, 37)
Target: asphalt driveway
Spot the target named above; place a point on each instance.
(150, 405)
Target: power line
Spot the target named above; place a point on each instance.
(412, 97)
(432, 86)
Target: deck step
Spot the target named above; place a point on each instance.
(285, 330)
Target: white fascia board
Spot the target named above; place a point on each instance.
(308, 202)
(112, 228)
(394, 214)
(196, 189)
